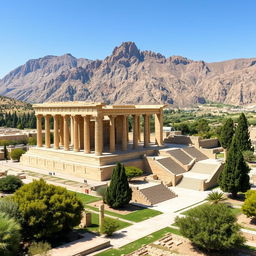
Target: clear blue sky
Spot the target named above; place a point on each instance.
(210, 30)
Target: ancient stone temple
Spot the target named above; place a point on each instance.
(89, 138)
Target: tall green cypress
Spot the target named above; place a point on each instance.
(118, 193)
(227, 132)
(242, 134)
(5, 153)
(234, 178)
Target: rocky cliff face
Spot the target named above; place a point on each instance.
(132, 76)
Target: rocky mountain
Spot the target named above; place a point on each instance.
(129, 75)
(10, 105)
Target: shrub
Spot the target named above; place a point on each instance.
(40, 248)
(110, 226)
(9, 235)
(249, 156)
(215, 197)
(211, 227)
(47, 211)
(10, 184)
(10, 208)
(132, 172)
(32, 141)
(249, 206)
(16, 154)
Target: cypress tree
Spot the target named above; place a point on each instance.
(118, 193)
(242, 134)
(234, 178)
(227, 132)
(5, 153)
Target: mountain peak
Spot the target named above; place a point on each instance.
(126, 50)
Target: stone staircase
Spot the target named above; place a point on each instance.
(191, 183)
(204, 168)
(180, 156)
(203, 175)
(157, 193)
(171, 165)
(195, 153)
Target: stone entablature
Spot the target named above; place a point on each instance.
(93, 127)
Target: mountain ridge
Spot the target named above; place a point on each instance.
(131, 76)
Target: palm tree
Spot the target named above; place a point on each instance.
(9, 235)
(215, 197)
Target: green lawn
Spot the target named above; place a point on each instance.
(95, 223)
(235, 211)
(220, 155)
(138, 243)
(87, 199)
(136, 216)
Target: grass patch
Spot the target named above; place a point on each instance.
(138, 243)
(235, 211)
(220, 155)
(87, 199)
(95, 223)
(136, 216)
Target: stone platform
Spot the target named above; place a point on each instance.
(87, 166)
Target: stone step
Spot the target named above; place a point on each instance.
(157, 194)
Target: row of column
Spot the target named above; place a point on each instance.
(63, 136)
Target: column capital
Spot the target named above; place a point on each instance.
(39, 115)
(87, 116)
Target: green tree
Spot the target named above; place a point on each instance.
(9, 236)
(5, 152)
(234, 178)
(215, 197)
(227, 132)
(118, 193)
(242, 134)
(249, 206)
(16, 154)
(10, 184)
(47, 211)
(132, 172)
(110, 226)
(211, 227)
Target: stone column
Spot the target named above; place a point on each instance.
(56, 132)
(148, 128)
(47, 131)
(39, 130)
(61, 131)
(101, 218)
(87, 146)
(66, 132)
(135, 131)
(124, 134)
(81, 132)
(159, 128)
(98, 135)
(139, 133)
(71, 130)
(75, 134)
(112, 137)
(145, 130)
(127, 129)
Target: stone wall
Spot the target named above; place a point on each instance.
(153, 167)
(209, 143)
